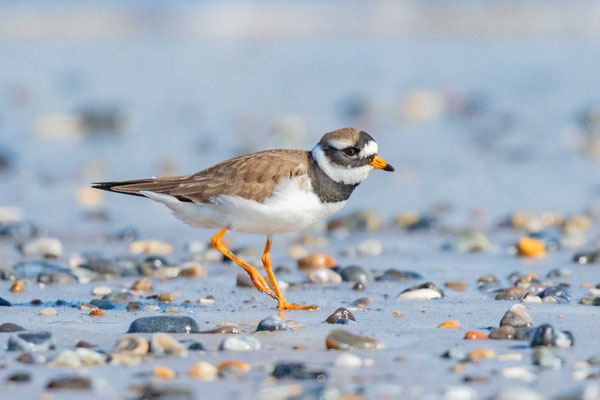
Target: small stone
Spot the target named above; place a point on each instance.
(298, 370)
(142, 285)
(225, 328)
(243, 281)
(48, 312)
(324, 276)
(133, 306)
(457, 286)
(474, 335)
(165, 345)
(517, 393)
(150, 247)
(481, 354)
(491, 280)
(358, 287)
(101, 291)
(70, 382)
(31, 341)
(340, 316)
(348, 360)
(512, 293)
(164, 323)
(196, 346)
(361, 302)
(531, 299)
(273, 323)
(154, 391)
(505, 332)
(356, 274)
(85, 344)
(587, 258)
(451, 324)
(564, 273)
(360, 221)
(96, 313)
(234, 365)
(67, 359)
(166, 297)
(205, 301)
(88, 307)
(342, 340)
(394, 275)
(369, 248)
(17, 287)
(43, 247)
(545, 358)
(314, 261)
(172, 310)
(164, 372)
(425, 291)
(19, 377)
(89, 357)
(132, 345)
(192, 270)
(103, 304)
(532, 248)
(10, 327)
(460, 392)
(6, 303)
(203, 371)
(455, 354)
(468, 242)
(242, 343)
(560, 294)
(516, 316)
(546, 335)
(151, 307)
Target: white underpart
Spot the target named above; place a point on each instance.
(369, 150)
(347, 175)
(292, 208)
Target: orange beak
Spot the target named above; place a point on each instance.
(378, 163)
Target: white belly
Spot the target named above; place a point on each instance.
(292, 208)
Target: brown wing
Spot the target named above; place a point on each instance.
(252, 176)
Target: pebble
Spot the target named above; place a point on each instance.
(460, 392)
(564, 273)
(18, 287)
(192, 270)
(88, 307)
(151, 307)
(103, 304)
(342, 340)
(164, 323)
(457, 286)
(40, 271)
(369, 248)
(425, 291)
(243, 281)
(43, 247)
(315, 260)
(234, 365)
(348, 360)
(132, 345)
(468, 241)
(172, 310)
(455, 354)
(560, 294)
(587, 257)
(6, 303)
(546, 335)
(101, 291)
(394, 275)
(163, 372)
(119, 297)
(474, 335)
(48, 312)
(360, 221)
(508, 332)
(529, 298)
(518, 373)
(532, 248)
(481, 354)
(356, 274)
(18, 377)
(324, 276)
(545, 358)
(154, 391)
(96, 313)
(166, 297)
(142, 285)
(205, 301)
(358, 287)
(340, 316)
(165, 345)
(10, 327)
(241, 343)
(273, 323)
(491, 280)
(225, 328)
(362, 302)
(451, 324)
(516, 316)
(298, 370)
(150, 247)
(511, 293)
(67, 359)
(70, 382)
(203, 371)
(196, 346)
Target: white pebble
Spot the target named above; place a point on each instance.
(532, 299)
(204, 301)
(48, 312)
(151, 308)
(43, 247)
(348, 360)
(101, 291)
(324, 276)
(460, 392)
(518, 373)
(420, 294)
(67, 359)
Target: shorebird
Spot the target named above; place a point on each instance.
(270, 192)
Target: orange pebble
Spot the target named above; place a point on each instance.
(17, 287)
(451, 324)
(240, 366)
(473, 335)
(96, 313)
(316, 260)
(398, 314)
(164, 372)
(529, 247)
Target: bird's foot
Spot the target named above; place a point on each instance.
(284, 305)
(260, 283)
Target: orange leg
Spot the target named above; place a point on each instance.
(281, 302)
(255, 276)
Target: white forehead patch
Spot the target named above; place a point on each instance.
(349, 175)
(339, 144)
(369, 150)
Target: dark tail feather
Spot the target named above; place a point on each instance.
(126, 187)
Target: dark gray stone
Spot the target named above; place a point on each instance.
(273, 323)
(164, 323)
(298, 370)
(340, 316)
(354, 273)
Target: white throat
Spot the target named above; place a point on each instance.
(347, 175)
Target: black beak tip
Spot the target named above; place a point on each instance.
(389, 168)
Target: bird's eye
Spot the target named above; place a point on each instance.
(350, 151)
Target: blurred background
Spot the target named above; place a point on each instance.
(483, 107)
